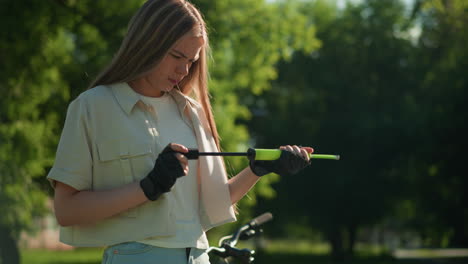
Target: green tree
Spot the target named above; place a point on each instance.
(437, 189)
(44, 47)
(347, 98)
(392, 103)
(51, 50)
(30, 76)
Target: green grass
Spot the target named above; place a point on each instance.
(76, 256)
(301, 247)
(93, 256)
(282, 251)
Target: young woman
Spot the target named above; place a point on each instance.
(120, 176)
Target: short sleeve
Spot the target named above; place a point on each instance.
(73, 160)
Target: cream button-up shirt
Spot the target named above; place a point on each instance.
(108, 140)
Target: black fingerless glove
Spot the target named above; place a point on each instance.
(288, 164)
(163, 176)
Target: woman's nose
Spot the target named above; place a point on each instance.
(182, 69)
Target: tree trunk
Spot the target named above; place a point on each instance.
(459, 225)
(352, 230)
(336, 240)
(460, 236)
(342, 242)
(9, 252)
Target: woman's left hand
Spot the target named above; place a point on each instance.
(292, 160)
(299, 150)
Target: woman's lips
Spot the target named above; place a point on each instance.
(173, 81)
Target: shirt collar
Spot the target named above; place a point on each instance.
(182, 100)
(125, 96)
(128, 98)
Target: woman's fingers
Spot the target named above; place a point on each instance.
(308, 149)
(183, 162)
(296, 149)
(182, 158)
(305, 154)
(287, 148)
(178, 147)
(301, 151)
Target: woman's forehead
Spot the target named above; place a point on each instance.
(189, 43)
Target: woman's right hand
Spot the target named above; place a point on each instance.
(77, 207)
(170, 165)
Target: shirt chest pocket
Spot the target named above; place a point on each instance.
(122, 162)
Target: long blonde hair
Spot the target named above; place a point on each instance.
(152, 31)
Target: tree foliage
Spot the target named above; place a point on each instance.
(51, 50)
(438, 188)
(388, 101)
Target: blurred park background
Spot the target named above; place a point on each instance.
(383, 83)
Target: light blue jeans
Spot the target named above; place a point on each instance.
(138, 253)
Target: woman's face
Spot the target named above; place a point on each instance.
(174, 66)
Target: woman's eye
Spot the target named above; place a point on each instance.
(175, 56)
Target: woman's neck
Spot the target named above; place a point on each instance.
(144, 87)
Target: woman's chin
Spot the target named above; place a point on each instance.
(167, 89)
